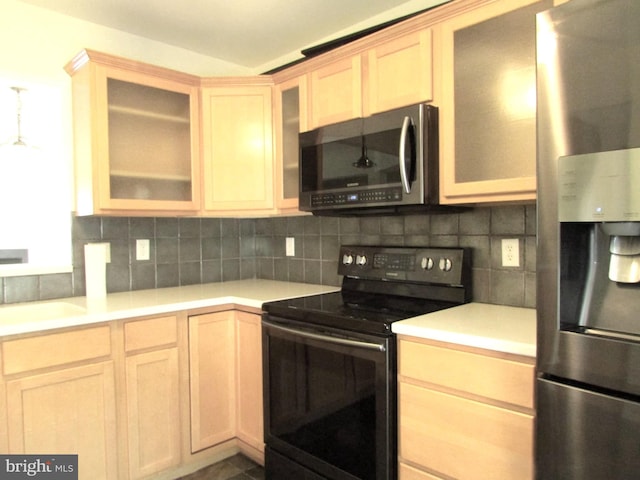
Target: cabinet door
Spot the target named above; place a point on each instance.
(488, 105)
(238, 149)
(70, 411)
(153, 411)
(249, 362)
(462, 438)
(290, 120)
(136, 130)
(399, 73)
(212, 378)
(335, 91)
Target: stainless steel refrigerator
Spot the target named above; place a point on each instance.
(588, 257)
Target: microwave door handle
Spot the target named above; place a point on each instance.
(404, 175)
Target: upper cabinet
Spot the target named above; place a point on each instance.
(335, 92)
(238, 147)
(290, 112)
(394, 72)
(152, 141)
(399, 72)
(136, 130)
(488, 104)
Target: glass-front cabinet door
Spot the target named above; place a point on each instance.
(488, 105)
(290, 116)
(136, 138)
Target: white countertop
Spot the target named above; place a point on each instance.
(493, 327)
(481, 325)
(74, 311)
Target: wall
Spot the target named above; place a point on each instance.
(191, 251)
(37, 44)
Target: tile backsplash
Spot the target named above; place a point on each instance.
(185, 251)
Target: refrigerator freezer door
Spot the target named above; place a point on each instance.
(585, 434)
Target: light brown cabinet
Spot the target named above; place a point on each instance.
(137, 398)
(399, 72)
(249, 381)
(395, 72)
(238, 163)
(151, 141)
(225, 364)
(335, 92)
(153, 395)
(488, 103)
(464, 413)
(62, 399)
(136, 133)
(212, 378)
(290, 111)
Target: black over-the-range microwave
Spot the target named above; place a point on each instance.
(384, 163)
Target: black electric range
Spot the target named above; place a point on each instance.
(329, 361)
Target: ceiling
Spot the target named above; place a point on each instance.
(250, 33)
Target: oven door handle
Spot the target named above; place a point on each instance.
(326, 338)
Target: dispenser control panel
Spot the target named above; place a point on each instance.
(599, 187)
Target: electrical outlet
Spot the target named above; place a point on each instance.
(142, 249)
(291, 247)
(510, 252)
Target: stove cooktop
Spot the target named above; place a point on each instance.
(382, 285)
(359, 312)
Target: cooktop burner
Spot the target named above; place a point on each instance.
(382, 285)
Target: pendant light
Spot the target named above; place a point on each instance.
(19, 141)
(17, 146)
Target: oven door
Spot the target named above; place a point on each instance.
(330, 402)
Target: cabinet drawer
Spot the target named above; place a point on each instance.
(494, 378)
(153, 332)
(44, 351)
(405, 472)
(462, 438)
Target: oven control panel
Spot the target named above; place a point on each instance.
(416, 264)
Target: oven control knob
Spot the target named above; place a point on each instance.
(426, 263)
(347, 259)
(361, 260)
(445, 264)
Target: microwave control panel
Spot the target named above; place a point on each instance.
(361, 197)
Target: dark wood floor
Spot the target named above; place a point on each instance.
(237, 467)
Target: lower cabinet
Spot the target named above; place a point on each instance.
(211, 373)
(249, 382)
(55, 405)
(464, 413)
(153, 397)
(225, 365)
